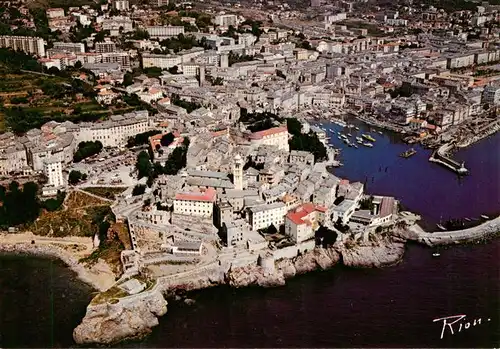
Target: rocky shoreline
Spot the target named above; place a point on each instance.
(134, 316)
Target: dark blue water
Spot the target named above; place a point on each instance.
(41, 301)
(422, 186)
(342, 307)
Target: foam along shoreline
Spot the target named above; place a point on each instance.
(133, 316)
(97, 279)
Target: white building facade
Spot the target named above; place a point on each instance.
(276, 136)
(262, 216)
(198, 204)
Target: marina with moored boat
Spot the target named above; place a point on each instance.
(408, 153)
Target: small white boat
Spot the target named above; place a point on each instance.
(356, 128)
(380, 132)
(441, 227)
(359, 139)
(349, 135)
(355, 146)
(360, 142)
(483, 216)
(468, 219)
(339, 137)
(369, 145)
(436, 254)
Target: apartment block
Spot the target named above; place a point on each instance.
(105, 47)
(75, 47)
(27, 44)
(166, 31)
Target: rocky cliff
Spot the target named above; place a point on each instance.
(375, 255)
(130, 317)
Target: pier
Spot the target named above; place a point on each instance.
(439, 156)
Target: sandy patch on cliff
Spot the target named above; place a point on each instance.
(102, 274)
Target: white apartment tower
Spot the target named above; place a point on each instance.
(27, 44)
(224, 60)
(238, 172)
(53, 171)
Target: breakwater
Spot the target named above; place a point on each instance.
(440, 156)
(482, 231)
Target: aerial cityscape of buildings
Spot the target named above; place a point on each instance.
(230, 102)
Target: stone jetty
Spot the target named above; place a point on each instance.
(485, 230)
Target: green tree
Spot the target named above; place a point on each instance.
(294, 126)
(87, 149)
(139, 189)
(128, 79)
(76, 176)
(19, 206)
(140, 34)
(100, 36)
(173, 70)
(167, 139)
(325, 236)
(311, 143)
(143, 165)
(54, 204)
(141, 138)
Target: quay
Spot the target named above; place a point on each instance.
(439, 156)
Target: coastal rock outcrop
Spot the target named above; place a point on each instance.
(319, 258)
(285, 268)
(254, 275)
(382, 254)
(108, 323)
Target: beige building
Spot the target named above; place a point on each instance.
(54, 13)
(116, 131)
(226, 20)
(161, 61)
(12, 155)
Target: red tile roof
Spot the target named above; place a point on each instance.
(268, 132)
(299, 215)
(208, 195)
(219, 133)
